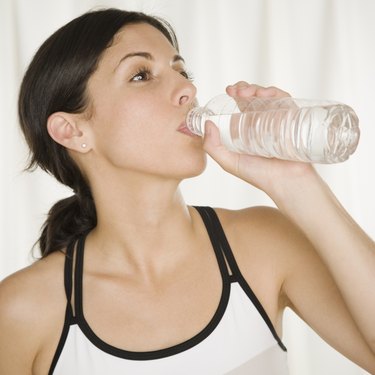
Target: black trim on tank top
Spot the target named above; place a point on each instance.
(69, 318)
(154, 354)
(219, 232)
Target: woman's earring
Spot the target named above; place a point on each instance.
(83, 145)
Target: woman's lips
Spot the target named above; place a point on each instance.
(185, 130)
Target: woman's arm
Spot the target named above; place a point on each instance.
(18, 338)
(32, 309)
(347, 252)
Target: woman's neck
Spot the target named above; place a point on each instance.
(141, 224)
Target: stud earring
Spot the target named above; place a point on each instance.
(83, 145)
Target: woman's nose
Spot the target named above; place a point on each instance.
(183, 99)
(185, 93)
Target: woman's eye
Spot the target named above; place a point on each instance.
(142, 75)
(187, 75)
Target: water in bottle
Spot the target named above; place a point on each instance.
(284, 128)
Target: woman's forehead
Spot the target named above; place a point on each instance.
(140, 33)
(136, 38)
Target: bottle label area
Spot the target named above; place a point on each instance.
(309, 134)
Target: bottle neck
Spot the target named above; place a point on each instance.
(195, 120)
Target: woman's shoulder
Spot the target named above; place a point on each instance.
(33, 299)
(256, 219)
(262, 237)
(34, 287)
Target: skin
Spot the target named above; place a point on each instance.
(149, 261)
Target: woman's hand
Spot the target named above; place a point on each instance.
(264, 173)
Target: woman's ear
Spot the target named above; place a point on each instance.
(64, 129)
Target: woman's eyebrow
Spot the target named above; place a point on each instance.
(147, 56)
(178, 58)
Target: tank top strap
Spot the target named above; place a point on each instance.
(69, 314)
(73, 277)
(218, 239)
(78, 276)
(236, 273)
(68, 278)
(219, 233)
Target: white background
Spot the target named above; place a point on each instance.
(312, 49)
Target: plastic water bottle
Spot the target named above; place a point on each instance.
(284, 128)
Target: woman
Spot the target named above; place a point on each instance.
(132, 280)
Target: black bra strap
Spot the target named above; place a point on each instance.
(78, 277)
(69, 317)
(217, 230)
(208, 217)
(68, 276)
(217, 236)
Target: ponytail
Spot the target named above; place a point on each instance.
(67, 219)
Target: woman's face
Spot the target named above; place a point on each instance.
(140, 95)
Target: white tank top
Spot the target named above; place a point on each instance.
(240, 338)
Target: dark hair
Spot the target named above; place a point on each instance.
(56, 80)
